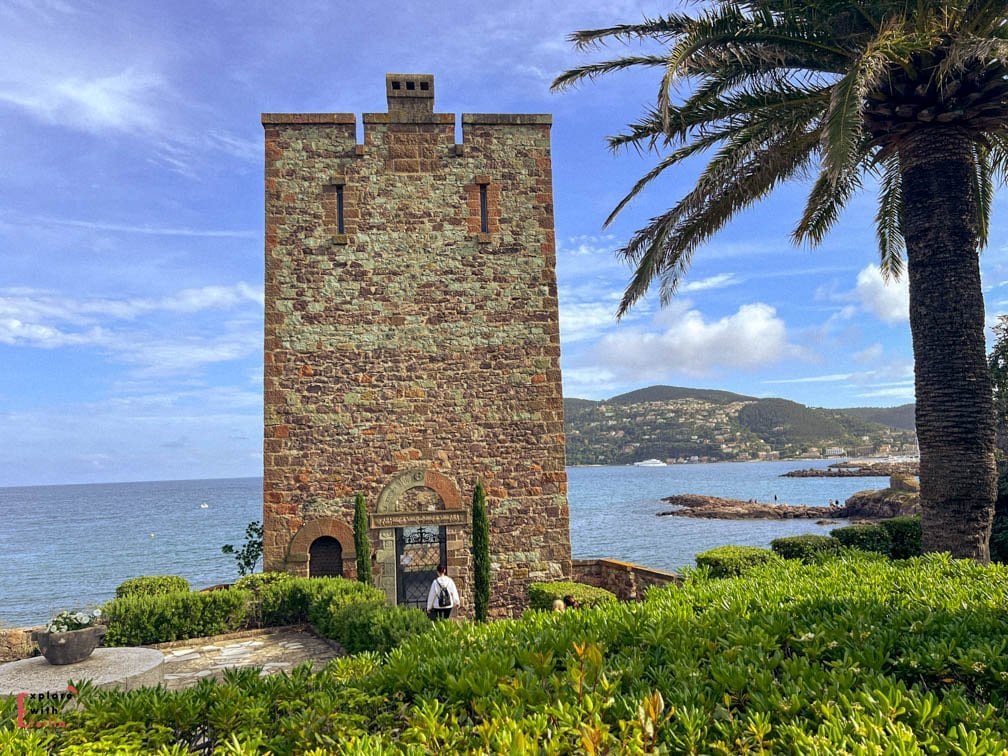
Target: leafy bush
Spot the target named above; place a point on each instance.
(256, 581)
(261, 600)
(152, 585)
(730, 561)
(542, 595)
(139, 619)
(905, 536)
(808, 547)
(865, 537)
(379, 627)
(856, 654)
(313, 600)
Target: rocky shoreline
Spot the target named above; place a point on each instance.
(715, 508)
(857, 470)
(901, 498)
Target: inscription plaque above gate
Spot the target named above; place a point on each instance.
(410, 519)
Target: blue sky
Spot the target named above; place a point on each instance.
(131, 217)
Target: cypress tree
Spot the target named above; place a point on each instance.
(481, 553)
(360, 538)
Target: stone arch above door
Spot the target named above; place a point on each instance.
(297, 552)
(404, 481)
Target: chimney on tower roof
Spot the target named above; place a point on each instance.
(410, 93)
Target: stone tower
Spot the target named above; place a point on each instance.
(412, 345)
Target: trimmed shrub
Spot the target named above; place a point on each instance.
(481, 554)
(261, 600)
(905, 535)
(808, 547)
(257, 581)
(730, 561)
(313, 600)
(542, 595)
(360, 537)
(865, 537)
(140, 620)
(152, 585)
(378, 627)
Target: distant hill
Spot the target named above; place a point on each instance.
(895, 417)
(671, 422)
(668, 393)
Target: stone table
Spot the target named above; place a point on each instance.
(124, 668)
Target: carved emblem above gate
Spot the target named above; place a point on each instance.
(387, 514)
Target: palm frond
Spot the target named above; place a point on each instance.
(961, 52)
(844, 124)
(889, 220)
(663, 28)
(827, 199)
(593, 70)
(983, 190)
(672, 238)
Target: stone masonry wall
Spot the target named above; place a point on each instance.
(627, 580)
(413, 340)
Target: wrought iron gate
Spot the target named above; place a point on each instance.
(419, 551)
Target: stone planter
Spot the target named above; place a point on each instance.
(70, 647)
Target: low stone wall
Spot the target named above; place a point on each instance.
(16, 644)
(627, 580)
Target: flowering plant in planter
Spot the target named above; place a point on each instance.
(76, 619)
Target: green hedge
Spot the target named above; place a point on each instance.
(314, 600)
(152, 585)
(379, 627)
(905, 536)
(272, 599)
(542, 595)
(256, 581)
(731, 561)
(851, 655)
(808, 547)
(868, 537)
(139, 620)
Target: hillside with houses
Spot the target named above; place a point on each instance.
(681, 425)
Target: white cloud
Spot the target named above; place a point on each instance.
(125, 101)
(589, 382)
(586, 320)
(34, 305)
(751, 338)
(868, 355)
(157, 341)
(834, 378)
(14, 332)
(719, 281)
(903, 392)
(151, 230)
(888, 301)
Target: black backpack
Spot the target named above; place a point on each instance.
(444, 598)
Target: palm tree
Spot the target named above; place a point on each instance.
(909, 94)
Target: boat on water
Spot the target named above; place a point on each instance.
(204, 505)
(650, 463)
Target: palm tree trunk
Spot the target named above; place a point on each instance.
(955, 425)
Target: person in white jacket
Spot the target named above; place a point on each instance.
(443, 595)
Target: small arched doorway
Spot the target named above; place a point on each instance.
(325, 558)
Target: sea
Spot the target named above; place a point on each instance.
(70, 546)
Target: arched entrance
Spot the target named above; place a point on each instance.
(421, 522)
(325, 558)
(323, 546)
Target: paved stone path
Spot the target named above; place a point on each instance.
(275, 650)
